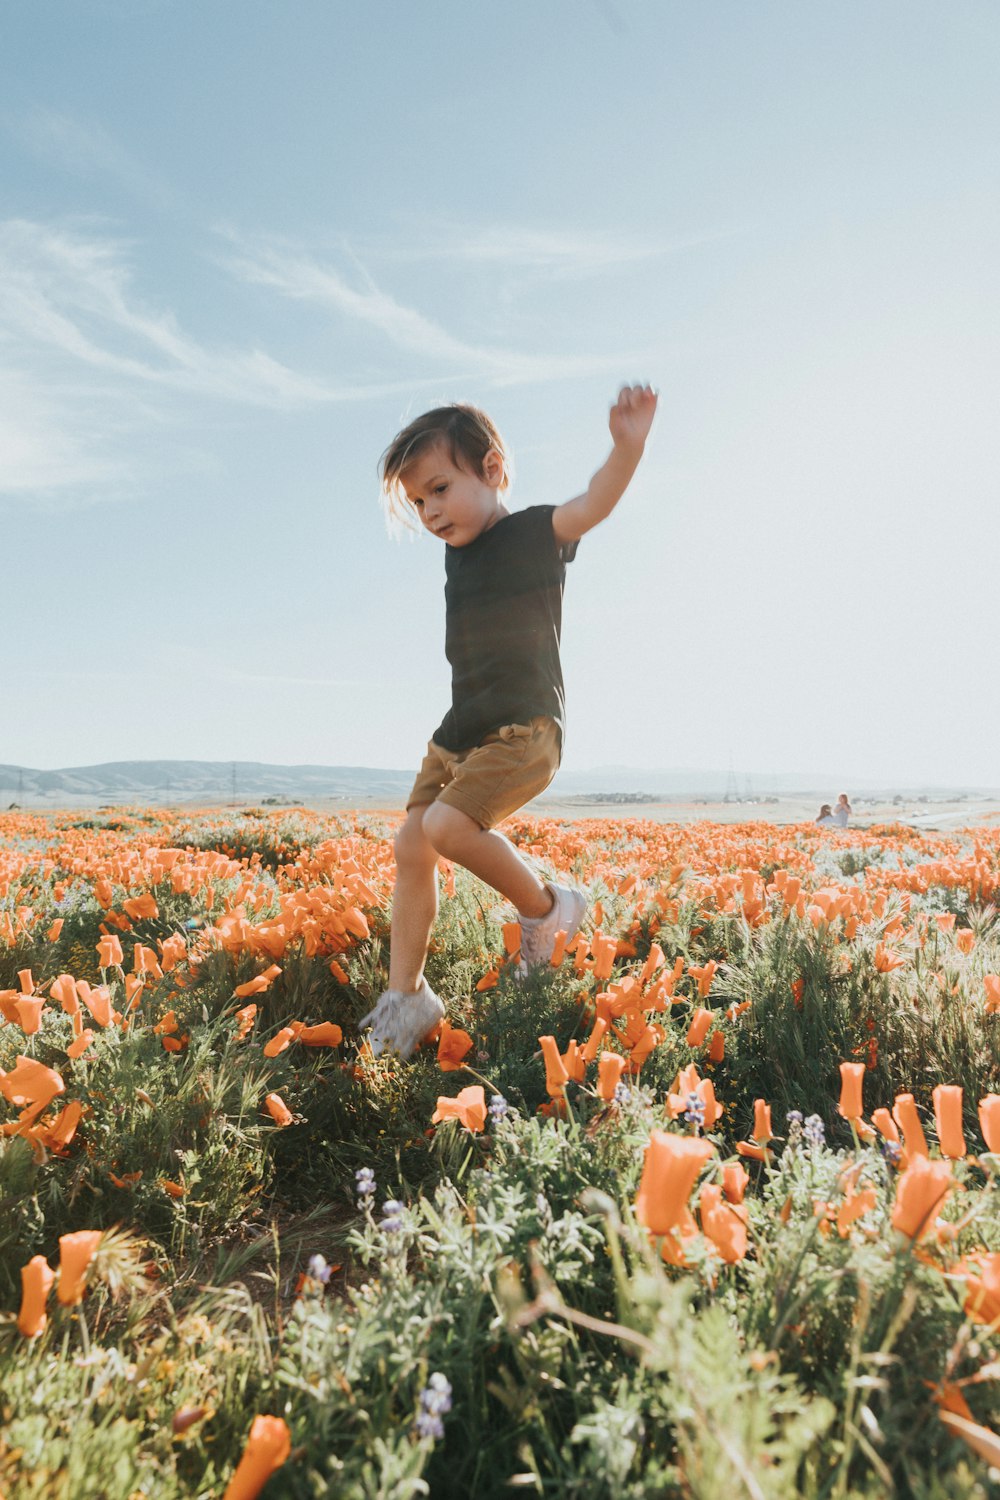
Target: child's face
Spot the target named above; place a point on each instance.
(453, 503)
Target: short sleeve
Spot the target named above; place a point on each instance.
(564, 552)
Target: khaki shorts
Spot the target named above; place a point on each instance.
(492, 780)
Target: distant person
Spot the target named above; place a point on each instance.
(842, 811)
(500, 742)
(825, 817)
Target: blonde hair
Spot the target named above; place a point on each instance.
(467, 434)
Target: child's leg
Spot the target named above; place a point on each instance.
(487, 854)
(414, 902)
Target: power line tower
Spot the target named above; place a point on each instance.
(732, 789)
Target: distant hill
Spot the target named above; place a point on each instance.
(170, 782)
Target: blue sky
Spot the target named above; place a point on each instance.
(241, 244)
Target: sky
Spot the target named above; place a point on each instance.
(241, 244)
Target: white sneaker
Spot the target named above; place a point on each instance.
(538, 934)
(399, 1023)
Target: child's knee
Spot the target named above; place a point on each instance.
(448, 829)
(411, 844)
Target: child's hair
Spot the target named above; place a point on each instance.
(825, 811)
(465, 431)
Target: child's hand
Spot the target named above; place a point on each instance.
(632, 416)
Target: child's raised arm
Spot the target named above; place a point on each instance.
(630, 420)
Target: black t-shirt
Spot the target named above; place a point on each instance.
(503, 597)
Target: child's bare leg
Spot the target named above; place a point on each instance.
(414, 903)
(487, 854)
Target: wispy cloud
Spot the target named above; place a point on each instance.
(299, 275)
(71, 293)
(561, 253)
(88, 361)
(86, 364)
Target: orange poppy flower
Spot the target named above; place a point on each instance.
(982, 1300)
(127, 1180)
(145, 961)
(687, 1083)
(851, 1079)
(593, 1042)
(489, 981)
(885, 1125)
(78, 1047)
(141, 906)
(887, 959)
(965, 940)
(574, 1062)
(605, 951)
(453, 1045)
(97, 1001)
(556, 1076)
(469, 1107)
(920, 1191)
(992, 984)
(339, 973)
(63, 1127)
(76, 1251)
(30, 1082)
(762, 1132)
(63, 989)
(109, 952)
(244, 1021)
(716, 1046)
(512, 938)
(324, 1034)
(853, 1206)
(173, 1189)
(989, 1121)
(36, 1283)
(55, 929)
(278, 1109)
(268, 1446)
(904, 1112)
(698, 1029)
(259, 984)
(29, 1013)
(734, 1182)
(704, 976)
(610, 1066)
(670, 1168)
(279, 1041)
(947, 1099)
(949, 1397)
(172, 950)
(724, 1223)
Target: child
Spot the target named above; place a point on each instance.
(842, 811)
(500, 743)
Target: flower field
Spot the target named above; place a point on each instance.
(707, 1209)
